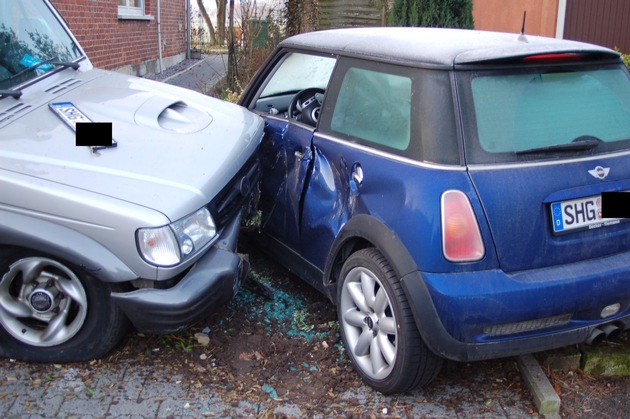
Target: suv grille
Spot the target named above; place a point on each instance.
(237, 192)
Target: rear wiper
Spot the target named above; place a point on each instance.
(583, 143)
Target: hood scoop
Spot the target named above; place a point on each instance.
(167, 113)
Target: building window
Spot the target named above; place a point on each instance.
(131, 9)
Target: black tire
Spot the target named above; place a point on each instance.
(378, 329)
(51, 311)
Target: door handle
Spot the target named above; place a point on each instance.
(357, 174)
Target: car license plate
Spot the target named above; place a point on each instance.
(69, 114)
(579, 214)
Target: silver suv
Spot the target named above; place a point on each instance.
(142, 227)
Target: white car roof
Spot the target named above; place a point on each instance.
(435, 46)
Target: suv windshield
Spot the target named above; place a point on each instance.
(538, 115)
(32, 42)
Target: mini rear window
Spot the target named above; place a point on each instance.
(546, 114)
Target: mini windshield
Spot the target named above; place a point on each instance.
(32, 42)
(299, 71)
(547, 114)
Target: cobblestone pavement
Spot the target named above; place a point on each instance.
(126, 390)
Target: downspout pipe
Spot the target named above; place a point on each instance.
(159, 33)
(188, 29)
(562, 13)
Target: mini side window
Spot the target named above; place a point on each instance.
(402, 110)
(375, 107)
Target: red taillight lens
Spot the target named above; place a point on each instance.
(566, 56)
(461, 239)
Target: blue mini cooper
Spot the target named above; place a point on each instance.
(444, 189)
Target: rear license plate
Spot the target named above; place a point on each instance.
(579, 214)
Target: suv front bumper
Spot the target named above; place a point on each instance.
(211, 282)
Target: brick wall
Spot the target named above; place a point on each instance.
(127, 45)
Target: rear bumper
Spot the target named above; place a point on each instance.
(211, 282)
(492, 314)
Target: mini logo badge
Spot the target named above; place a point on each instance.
(599, 172)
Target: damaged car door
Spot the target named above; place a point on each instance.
(291, 98)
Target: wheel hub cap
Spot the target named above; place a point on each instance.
(41, 301)
(372, 324)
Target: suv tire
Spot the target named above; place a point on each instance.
(51, 311)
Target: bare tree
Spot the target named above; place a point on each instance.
(258, 33)
(206, 18)
(221, 19)
(301, 16)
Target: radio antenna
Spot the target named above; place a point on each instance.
(522, 37)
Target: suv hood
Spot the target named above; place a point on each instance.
(176, 141)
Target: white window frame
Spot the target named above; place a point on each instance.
(132, 12)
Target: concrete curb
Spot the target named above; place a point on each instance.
(545, 397)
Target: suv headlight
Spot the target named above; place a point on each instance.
(173, 243)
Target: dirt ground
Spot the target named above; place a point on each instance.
(584, 395)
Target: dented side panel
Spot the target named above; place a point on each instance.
(285, 158)
(329, 203)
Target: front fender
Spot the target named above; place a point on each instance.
(59, 241)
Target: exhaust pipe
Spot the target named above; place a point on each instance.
(606, 331)
(612, 332)
(596, 337)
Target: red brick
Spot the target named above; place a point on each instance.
(111, 43)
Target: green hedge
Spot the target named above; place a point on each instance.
(626, 57)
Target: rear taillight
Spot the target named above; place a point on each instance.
(461, 239)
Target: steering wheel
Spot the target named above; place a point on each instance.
(306, 104)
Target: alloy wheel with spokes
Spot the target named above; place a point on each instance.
(378, 328)
(42, 302)
(52, 311)
(369, 323)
